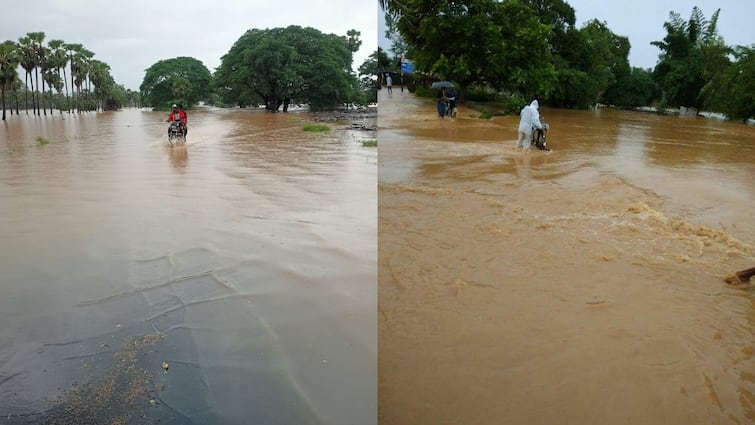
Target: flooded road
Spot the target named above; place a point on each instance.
(577, 286)
(246, 261)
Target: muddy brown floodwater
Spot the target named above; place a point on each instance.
(577, 286)
(245, 260)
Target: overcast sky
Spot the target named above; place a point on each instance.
(132, 35)
(642, 21)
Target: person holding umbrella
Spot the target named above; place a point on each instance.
(443, 97)
(442, 101)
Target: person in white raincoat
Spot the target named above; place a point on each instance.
(530, 120)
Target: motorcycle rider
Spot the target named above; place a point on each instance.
(178, 114)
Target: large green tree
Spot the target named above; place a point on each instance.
(369, 72)
(293, 64)
(733, 90)
(179, 80)
(501, 44)
(692, 53)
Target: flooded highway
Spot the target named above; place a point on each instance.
(231, 280)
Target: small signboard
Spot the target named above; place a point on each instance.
(407, 66)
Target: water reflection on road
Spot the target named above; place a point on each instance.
(251, 250)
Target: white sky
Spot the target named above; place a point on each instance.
(642, 21)
(132, 35)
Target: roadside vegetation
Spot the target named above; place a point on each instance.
(316, 127)
(275, 67)
(525, 49)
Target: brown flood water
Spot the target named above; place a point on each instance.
(251, 250)
(577, 286)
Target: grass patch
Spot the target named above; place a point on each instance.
(42, 141)
(316, 127)
(369, 143)
(486, 114)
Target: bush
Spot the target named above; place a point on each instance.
(425, 92)
(316, 127)
(513, 104)
(486, 114)
(481, 94)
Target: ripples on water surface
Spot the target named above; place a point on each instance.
(252, 251)
(578, 286)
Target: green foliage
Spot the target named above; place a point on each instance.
(692, 54)
(486, 114)
(635, 88)
(733, 90)
(42, 141)
(513, 104)
(588, 64)
(486, 42)
(292, 64)
(369, 72)
(316, 127)
(425, 92)
(182, 80)
(370, 143)
(9, 61)
(481, 94)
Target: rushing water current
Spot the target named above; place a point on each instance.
(577, 286)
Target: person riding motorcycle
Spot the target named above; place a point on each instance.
(179, 115)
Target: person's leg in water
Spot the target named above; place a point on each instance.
(526, 142)
(520, 140)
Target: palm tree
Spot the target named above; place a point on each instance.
(73, 61)
(8, 65)
(58, 53)
(26, 50)
(39, 60)
(393, 7)
(87, 66)
(99, 75)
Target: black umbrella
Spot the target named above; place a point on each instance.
(441, 84)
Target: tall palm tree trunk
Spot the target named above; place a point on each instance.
(26, 93)
(65, 81)
(34, 93)
(72, 89)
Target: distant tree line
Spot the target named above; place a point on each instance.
(273, 67)
(52, 66)
(527, 48)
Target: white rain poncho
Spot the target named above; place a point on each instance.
(530, 118)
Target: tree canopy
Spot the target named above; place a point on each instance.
(692, 53)
(182, 80)
(284, 65)
(528, 48)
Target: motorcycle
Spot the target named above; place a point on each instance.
(176, 134)
(539, 136)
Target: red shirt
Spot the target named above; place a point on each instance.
(181, 117)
